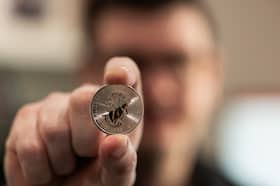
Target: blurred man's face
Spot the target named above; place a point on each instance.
(180, 71)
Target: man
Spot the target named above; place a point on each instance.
(170, 56)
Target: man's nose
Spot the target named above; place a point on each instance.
(161, 87)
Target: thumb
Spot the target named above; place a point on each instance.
(118, 159)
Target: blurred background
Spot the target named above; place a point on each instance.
(41, 43)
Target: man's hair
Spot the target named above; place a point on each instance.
(94, 7)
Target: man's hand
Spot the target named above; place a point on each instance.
(54, 142)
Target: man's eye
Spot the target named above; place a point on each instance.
(175, 61)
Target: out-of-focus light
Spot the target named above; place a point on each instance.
(248, 140)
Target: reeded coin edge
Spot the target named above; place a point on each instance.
(112, 133)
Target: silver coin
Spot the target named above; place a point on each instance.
(117, 109)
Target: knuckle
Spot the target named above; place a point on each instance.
(124, 169)
(127, 166)
(43, 118)
(81, 97)
(51, 127)
(55, 95)
(8, 144)
(30, 149)
(52, 133)
(10, 141)
(26, 110)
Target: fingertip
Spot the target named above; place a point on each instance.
(121, 70)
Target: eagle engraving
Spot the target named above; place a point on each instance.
(117, 114)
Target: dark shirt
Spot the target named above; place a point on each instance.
(207, 176)
(203, 175)
(1, 172)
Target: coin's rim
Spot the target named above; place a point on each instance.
(96, 123)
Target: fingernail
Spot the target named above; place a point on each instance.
(119, 152)
(131, 77)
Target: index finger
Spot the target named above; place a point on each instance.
(123, 70)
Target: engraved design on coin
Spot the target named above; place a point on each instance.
(116, 109)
